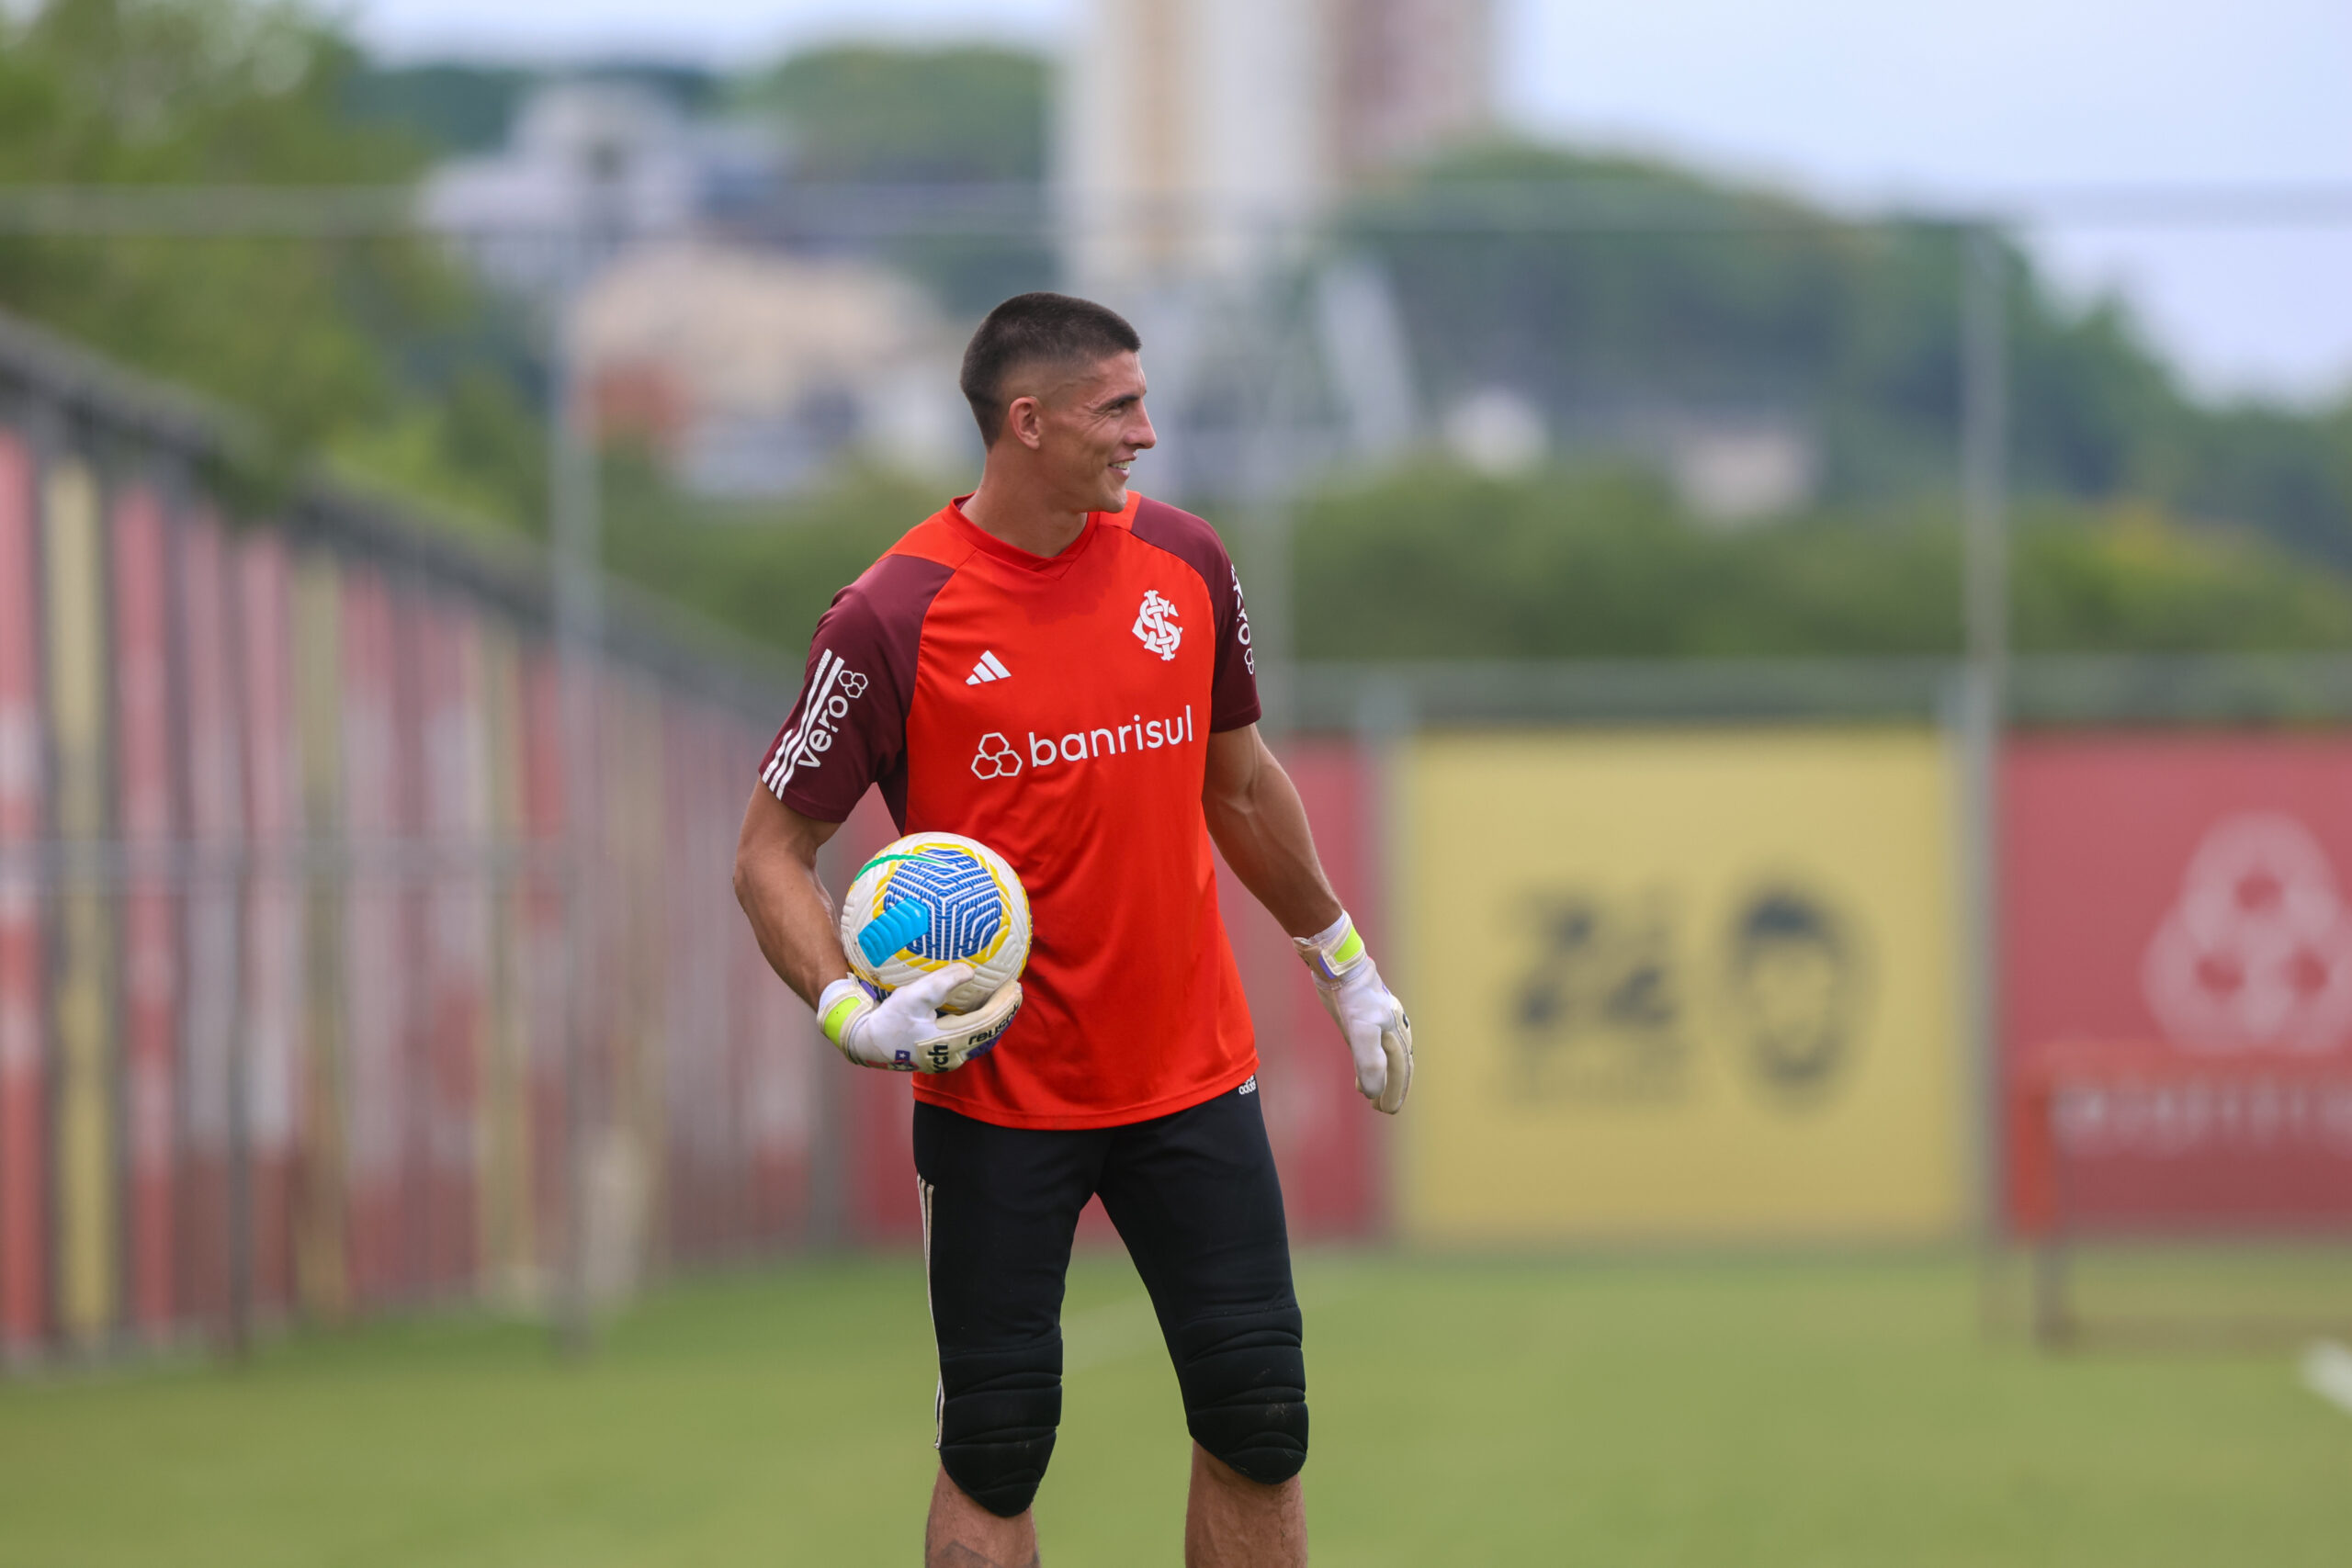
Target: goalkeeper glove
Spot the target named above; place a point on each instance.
(905, 1032)
(1371, 1019)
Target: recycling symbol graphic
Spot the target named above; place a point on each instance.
(2257, 952)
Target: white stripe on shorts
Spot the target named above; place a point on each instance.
(923, 1189)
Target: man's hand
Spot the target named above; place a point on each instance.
(905, 1032)
(1371, 1019)
(1255, 817)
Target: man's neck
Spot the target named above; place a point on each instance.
(1026, 522)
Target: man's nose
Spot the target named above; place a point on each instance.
(1140, 434)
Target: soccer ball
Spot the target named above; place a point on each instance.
(933, 899)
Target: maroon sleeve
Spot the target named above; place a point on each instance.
(1233, 696)
(848, 729)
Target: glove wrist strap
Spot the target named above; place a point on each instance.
(1333, 951)
(838, 1004)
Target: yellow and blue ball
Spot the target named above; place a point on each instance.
(931, 899)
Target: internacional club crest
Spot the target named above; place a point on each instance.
(1156, 625)
(996, 759)
(2258, 950)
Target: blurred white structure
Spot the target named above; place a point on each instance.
(750, 371)
(1731, 473)
(590, 160)
(1404, 77)
(1363, 345)
(1195, 134)
(1498, 431)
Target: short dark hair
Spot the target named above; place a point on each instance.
(1035, 329)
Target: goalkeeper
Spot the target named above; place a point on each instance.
(1061, 670)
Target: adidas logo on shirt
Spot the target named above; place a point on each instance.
(990, 668)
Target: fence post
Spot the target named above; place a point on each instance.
(1384, 719)
(1985, 605)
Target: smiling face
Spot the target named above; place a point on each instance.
(1085, 429)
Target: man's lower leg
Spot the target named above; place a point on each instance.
(962, 1534)
(1231, 1521)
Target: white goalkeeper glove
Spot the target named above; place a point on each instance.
(1371, 1019)
(905, 1032)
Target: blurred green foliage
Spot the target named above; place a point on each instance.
(1438, 562)
(875, 113)
(1435, 562)
(966, 115)
(1668, 295)
(464, 106)
(450, 105)
(766, 570)
(378, 346)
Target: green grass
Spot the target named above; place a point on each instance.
(1627, 1413)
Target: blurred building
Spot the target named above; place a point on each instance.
(751, 372)
(1194, 133)
(1733, 471)
(595, 161)
(1405, 76)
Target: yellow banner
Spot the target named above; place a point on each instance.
(1682, 986)
(88, 1191)
(503, 1133)
(322, 1234)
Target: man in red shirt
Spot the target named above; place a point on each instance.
(1061, 669)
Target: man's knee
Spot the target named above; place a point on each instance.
(1244, 1378)
(998, 1410)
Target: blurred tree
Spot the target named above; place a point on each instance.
(1675, 298)
(1438, 562)
(454, 105)
(870, 114)
(767, 570)
(328, 343)
(450, 105)
(1597, 562)
(972, 116)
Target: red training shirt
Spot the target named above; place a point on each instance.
(1057, 709)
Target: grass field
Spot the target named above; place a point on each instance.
(1717, 1413)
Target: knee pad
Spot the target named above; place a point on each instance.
(998, 1410)
(1244, 1378)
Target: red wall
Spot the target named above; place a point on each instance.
(2182, 904)
(24, 1079)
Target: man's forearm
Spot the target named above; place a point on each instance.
(1261, 829)
(791, 914)
(787, 909)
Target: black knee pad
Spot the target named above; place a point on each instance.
(1244, 1378)
(998, 1410)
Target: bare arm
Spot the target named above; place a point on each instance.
(1256, 819)
(776, 883)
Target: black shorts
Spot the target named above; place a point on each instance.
(1194, 1196)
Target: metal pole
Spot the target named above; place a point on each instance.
(1986, 607)
(1271, 457)
(575, 534)
(1384, 724)
(240, 882)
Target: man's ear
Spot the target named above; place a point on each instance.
(1024, 421)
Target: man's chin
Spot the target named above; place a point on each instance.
(1112, 498)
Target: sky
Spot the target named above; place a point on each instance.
(1861, 102)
